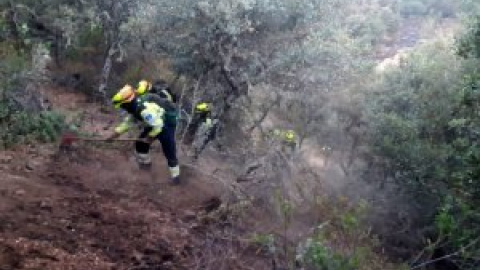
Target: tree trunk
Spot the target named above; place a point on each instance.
(107, 68)
(265, 112)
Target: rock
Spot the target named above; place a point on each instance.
(195, 226)
(189, 215)
(20, 192)
(29, 166)
(45, 206)
(32, 164)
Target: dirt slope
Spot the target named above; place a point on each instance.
(90, 207)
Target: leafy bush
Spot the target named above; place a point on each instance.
(469, 44)
(426, 126)
(17, 124)
(90, 40)
(321, 257)
(470, 7)
(22, 127)
(265, 242)
(91, 36)
(134, 73)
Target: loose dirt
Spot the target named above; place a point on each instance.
(90, 207)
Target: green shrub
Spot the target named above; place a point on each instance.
(426, 126)
(91, 36)
(18, 126)
(90, 40)
(12, 61)
(265, 241)
(468, 44)
(321, 257)
(133, 74)
(470, 7)
(23, 127)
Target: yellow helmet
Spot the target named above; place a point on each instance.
(143, 87)
(290, 135)
(125, 95)
(202, 107)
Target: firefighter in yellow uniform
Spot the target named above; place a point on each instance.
(288, 138)
(159, 118)
(159, 87)
(201, 116)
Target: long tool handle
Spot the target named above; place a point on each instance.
(104, 140)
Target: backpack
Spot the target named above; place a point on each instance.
(171, 110)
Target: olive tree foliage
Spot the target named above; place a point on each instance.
(436, 8)
(26, 35)
(231, 48)
(25, 115)
(425, 128)
(109, 16)
(244, 43)
(61, 25)
(297, 63)
(238, 49)
(257, 60)
(42, 31)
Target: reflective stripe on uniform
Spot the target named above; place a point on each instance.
(153, 116)
(174, 171)
(208, 122)
(143, 159)
(167, 94)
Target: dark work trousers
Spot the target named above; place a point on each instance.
(195, 123)
(207, 137)
(167, 140)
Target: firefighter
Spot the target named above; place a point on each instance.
(288, 138)
(202, 128)
(201, 116)
(159, 119)
(159, 87)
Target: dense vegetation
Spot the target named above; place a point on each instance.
(23, 115)
(425, 124)
(308, 65)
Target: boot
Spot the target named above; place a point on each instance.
(175, 175)
(143, 159)
(175, 180)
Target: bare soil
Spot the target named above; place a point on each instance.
(91, 207)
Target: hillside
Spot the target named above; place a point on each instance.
(333, 135)
(89, 207)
